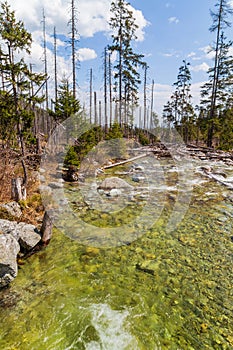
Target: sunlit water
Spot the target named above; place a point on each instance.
(164, 289)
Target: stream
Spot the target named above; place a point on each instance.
(147, 270)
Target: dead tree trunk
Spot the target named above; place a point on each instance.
(46, 229)
(18, 189)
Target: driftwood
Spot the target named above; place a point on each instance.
(125, 161)
(46, 229)
(217, 179)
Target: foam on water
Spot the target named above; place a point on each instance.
(111, 326)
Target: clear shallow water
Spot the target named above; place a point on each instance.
(160, 290)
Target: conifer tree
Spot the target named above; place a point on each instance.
(66, 105)
(179, 110)
(123, 25)
(220, 22)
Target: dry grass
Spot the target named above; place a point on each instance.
(10, 168)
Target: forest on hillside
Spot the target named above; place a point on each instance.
(29, 113)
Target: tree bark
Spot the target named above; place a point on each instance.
(46, 229)
(18, 190)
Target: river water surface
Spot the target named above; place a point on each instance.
(151, 289)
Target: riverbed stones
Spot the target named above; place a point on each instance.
(9, 248)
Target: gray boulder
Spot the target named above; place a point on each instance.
(27, 235)
(7, 226)
(13, 208)
(114, 182)
(9, 248)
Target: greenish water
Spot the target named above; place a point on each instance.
(161, 290)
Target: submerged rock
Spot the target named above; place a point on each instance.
(115, 192)
(9, 248)
(149, 266)
(138, 178)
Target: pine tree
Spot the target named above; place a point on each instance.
(66, 105)
(224, 89)
(179, 110)
(127, 77)
(219, 23)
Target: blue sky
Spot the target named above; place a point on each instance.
(169, 31)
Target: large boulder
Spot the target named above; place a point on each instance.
(9, 248)
(13, 208)
(114, 182)
(27, 235)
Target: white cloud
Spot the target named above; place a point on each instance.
(173, 20)
(209, 53)
(93, 16)
(201, 67)
(141, 22)
(191, 55)
(85, 54)
(168, 54)
(172, 53)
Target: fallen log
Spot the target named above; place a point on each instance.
(125, 161)
(217, 179)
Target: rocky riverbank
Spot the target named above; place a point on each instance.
(14, 238)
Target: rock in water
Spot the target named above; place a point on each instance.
(115, 192)
(27, 235)
(114, 182)
(138, 178)
(9, 249)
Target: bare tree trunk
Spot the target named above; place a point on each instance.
(55, 64)
(73, 39)
(100, 114)
(145, 97)
(152, 105)
(46, 229)
(105, 92)
(110, 87)
(95, 107)
(45, 61)
(18, 189)
(91, 82)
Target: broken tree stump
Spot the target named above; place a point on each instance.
(46, 229)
